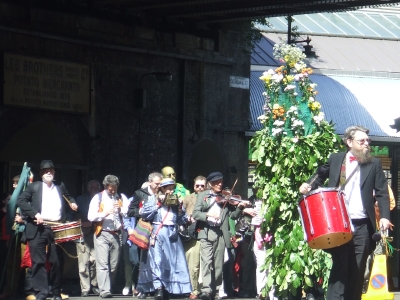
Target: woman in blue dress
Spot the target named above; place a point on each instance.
(163, 266)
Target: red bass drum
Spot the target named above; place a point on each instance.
(325, 219)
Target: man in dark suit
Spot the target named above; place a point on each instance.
(367, 177)
(214, 234)
(43, 201)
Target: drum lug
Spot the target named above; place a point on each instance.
(325, 211)
(339, 195)
(309, 217)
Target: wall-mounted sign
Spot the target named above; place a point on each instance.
(46, 84)
(239, 82)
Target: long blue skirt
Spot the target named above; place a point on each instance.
(164, 264)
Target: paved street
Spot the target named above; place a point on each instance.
(396, 297)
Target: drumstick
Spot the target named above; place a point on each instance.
(67, 200)
(50, 222)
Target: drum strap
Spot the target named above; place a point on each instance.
(341, 188)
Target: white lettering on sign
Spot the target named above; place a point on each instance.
(239, 82)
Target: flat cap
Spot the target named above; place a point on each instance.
(214, 176)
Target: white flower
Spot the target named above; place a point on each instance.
(311, 99)
(265, 94)
(271, 72)
(295, 139)
(298, 77)
(297, 123)
(276, 106)
(295, 93)
(289, 87)
(319, 118)
(262, 117)
(277, 77)
(276, 131)
(292, 109)
(313, 85)
(278, 123)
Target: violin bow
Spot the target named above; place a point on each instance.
(234, 186)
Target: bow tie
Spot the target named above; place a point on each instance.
(352, 158)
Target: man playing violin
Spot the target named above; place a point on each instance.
(43, 201)
(214, 235)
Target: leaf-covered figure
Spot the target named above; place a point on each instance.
(294, 141)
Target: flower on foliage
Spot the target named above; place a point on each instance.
(262, 118)
(319, 118)
(315, 105)
(287, 87)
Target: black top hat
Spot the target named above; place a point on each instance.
(46, 164)
(214, 176)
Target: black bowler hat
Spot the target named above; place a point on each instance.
(214, 176)
(46, 164)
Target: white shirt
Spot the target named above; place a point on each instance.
(353, 191)
(51, 203)
(215, 209)
(108, 203)
(257, 220)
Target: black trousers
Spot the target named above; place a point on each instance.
(39, 278)
(348, 263)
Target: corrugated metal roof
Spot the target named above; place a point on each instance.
(380, 23)
(338, 53)
(346, 100)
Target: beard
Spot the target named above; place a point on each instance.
(363, 156)
(48, 178)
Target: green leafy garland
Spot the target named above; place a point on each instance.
(294, 141)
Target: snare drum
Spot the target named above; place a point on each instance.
(325, 219)
(66, 232)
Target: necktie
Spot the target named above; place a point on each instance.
(352, 158)
(117, 221)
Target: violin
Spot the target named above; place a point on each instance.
(227, 197)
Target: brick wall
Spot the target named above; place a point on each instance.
(116, 138)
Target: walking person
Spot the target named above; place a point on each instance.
(107, 209)
(349, 260)
(44, 201)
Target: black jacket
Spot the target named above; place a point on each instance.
(372, 179)
(139, 195)
(30, 202)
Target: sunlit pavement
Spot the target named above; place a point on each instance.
(93, 297)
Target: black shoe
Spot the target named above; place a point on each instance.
(95, 290)
(159, 294)
(85, 294)
(142, 296)
(205, 296)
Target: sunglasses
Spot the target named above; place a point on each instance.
(363, 141)
(199, 185)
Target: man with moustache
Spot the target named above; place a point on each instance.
(107, 209)
(214, 234)
(349, 260)
(43, 201)
(192, 246)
